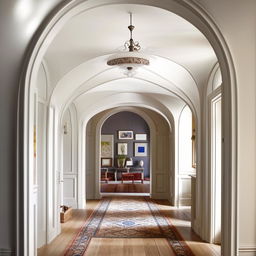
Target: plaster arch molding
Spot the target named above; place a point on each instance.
(125, 99)
(159, 170)
(193, 13)
(116, 104)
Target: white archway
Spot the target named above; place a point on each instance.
(112, 107)
(109, 113)
(196, 15)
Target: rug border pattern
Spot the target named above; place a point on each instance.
(89, 230)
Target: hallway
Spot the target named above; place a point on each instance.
(129, 226)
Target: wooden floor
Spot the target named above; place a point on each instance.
(126, 187)
(131, 246)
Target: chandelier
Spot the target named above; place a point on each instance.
(131, 59)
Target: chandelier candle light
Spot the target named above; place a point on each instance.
(132, 59)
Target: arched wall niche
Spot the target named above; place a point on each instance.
(197, 16)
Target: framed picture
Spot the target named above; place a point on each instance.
(122, 148)
(106, 162)
(125, 135)
(107, 146)
(140, 136)
(140, 149)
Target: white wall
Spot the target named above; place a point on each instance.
(17, 29)
(239, 29)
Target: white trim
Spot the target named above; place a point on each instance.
(247, 249)
(152, 128)
(212, 100)
(106, 106)
(195, 14)
(7, 252)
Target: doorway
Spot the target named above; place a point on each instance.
(125, 155)
(159, 148)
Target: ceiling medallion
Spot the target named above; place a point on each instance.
(131, 59)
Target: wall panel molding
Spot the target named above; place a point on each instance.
(247, 251)
(7, 252)
(70, 189)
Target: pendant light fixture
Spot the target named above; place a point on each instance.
(131, 59)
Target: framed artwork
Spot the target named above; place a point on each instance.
(125, 135)
(140, 149)
(107, 146)
(140, 136)
(122, 148)
(106, 162)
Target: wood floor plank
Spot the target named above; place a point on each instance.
(164, 247)
(68, 231)
(138, 247)
(179, 217)
(150, 247)
(93, 249)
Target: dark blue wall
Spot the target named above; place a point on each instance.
(128, 121)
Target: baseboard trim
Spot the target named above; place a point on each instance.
(6, 252)
(247, 251)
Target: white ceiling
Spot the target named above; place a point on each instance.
(96, 33)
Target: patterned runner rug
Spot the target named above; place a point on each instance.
(127, 218)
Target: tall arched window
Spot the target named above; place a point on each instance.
(185, 140)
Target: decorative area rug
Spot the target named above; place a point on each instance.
(127, 218)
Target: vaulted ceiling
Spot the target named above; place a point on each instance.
(180, 55)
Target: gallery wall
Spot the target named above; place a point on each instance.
(128, 121)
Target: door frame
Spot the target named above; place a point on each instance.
(213, 98)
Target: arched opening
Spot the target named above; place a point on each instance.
(125, 154)
(158, 171)
(196, 16)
